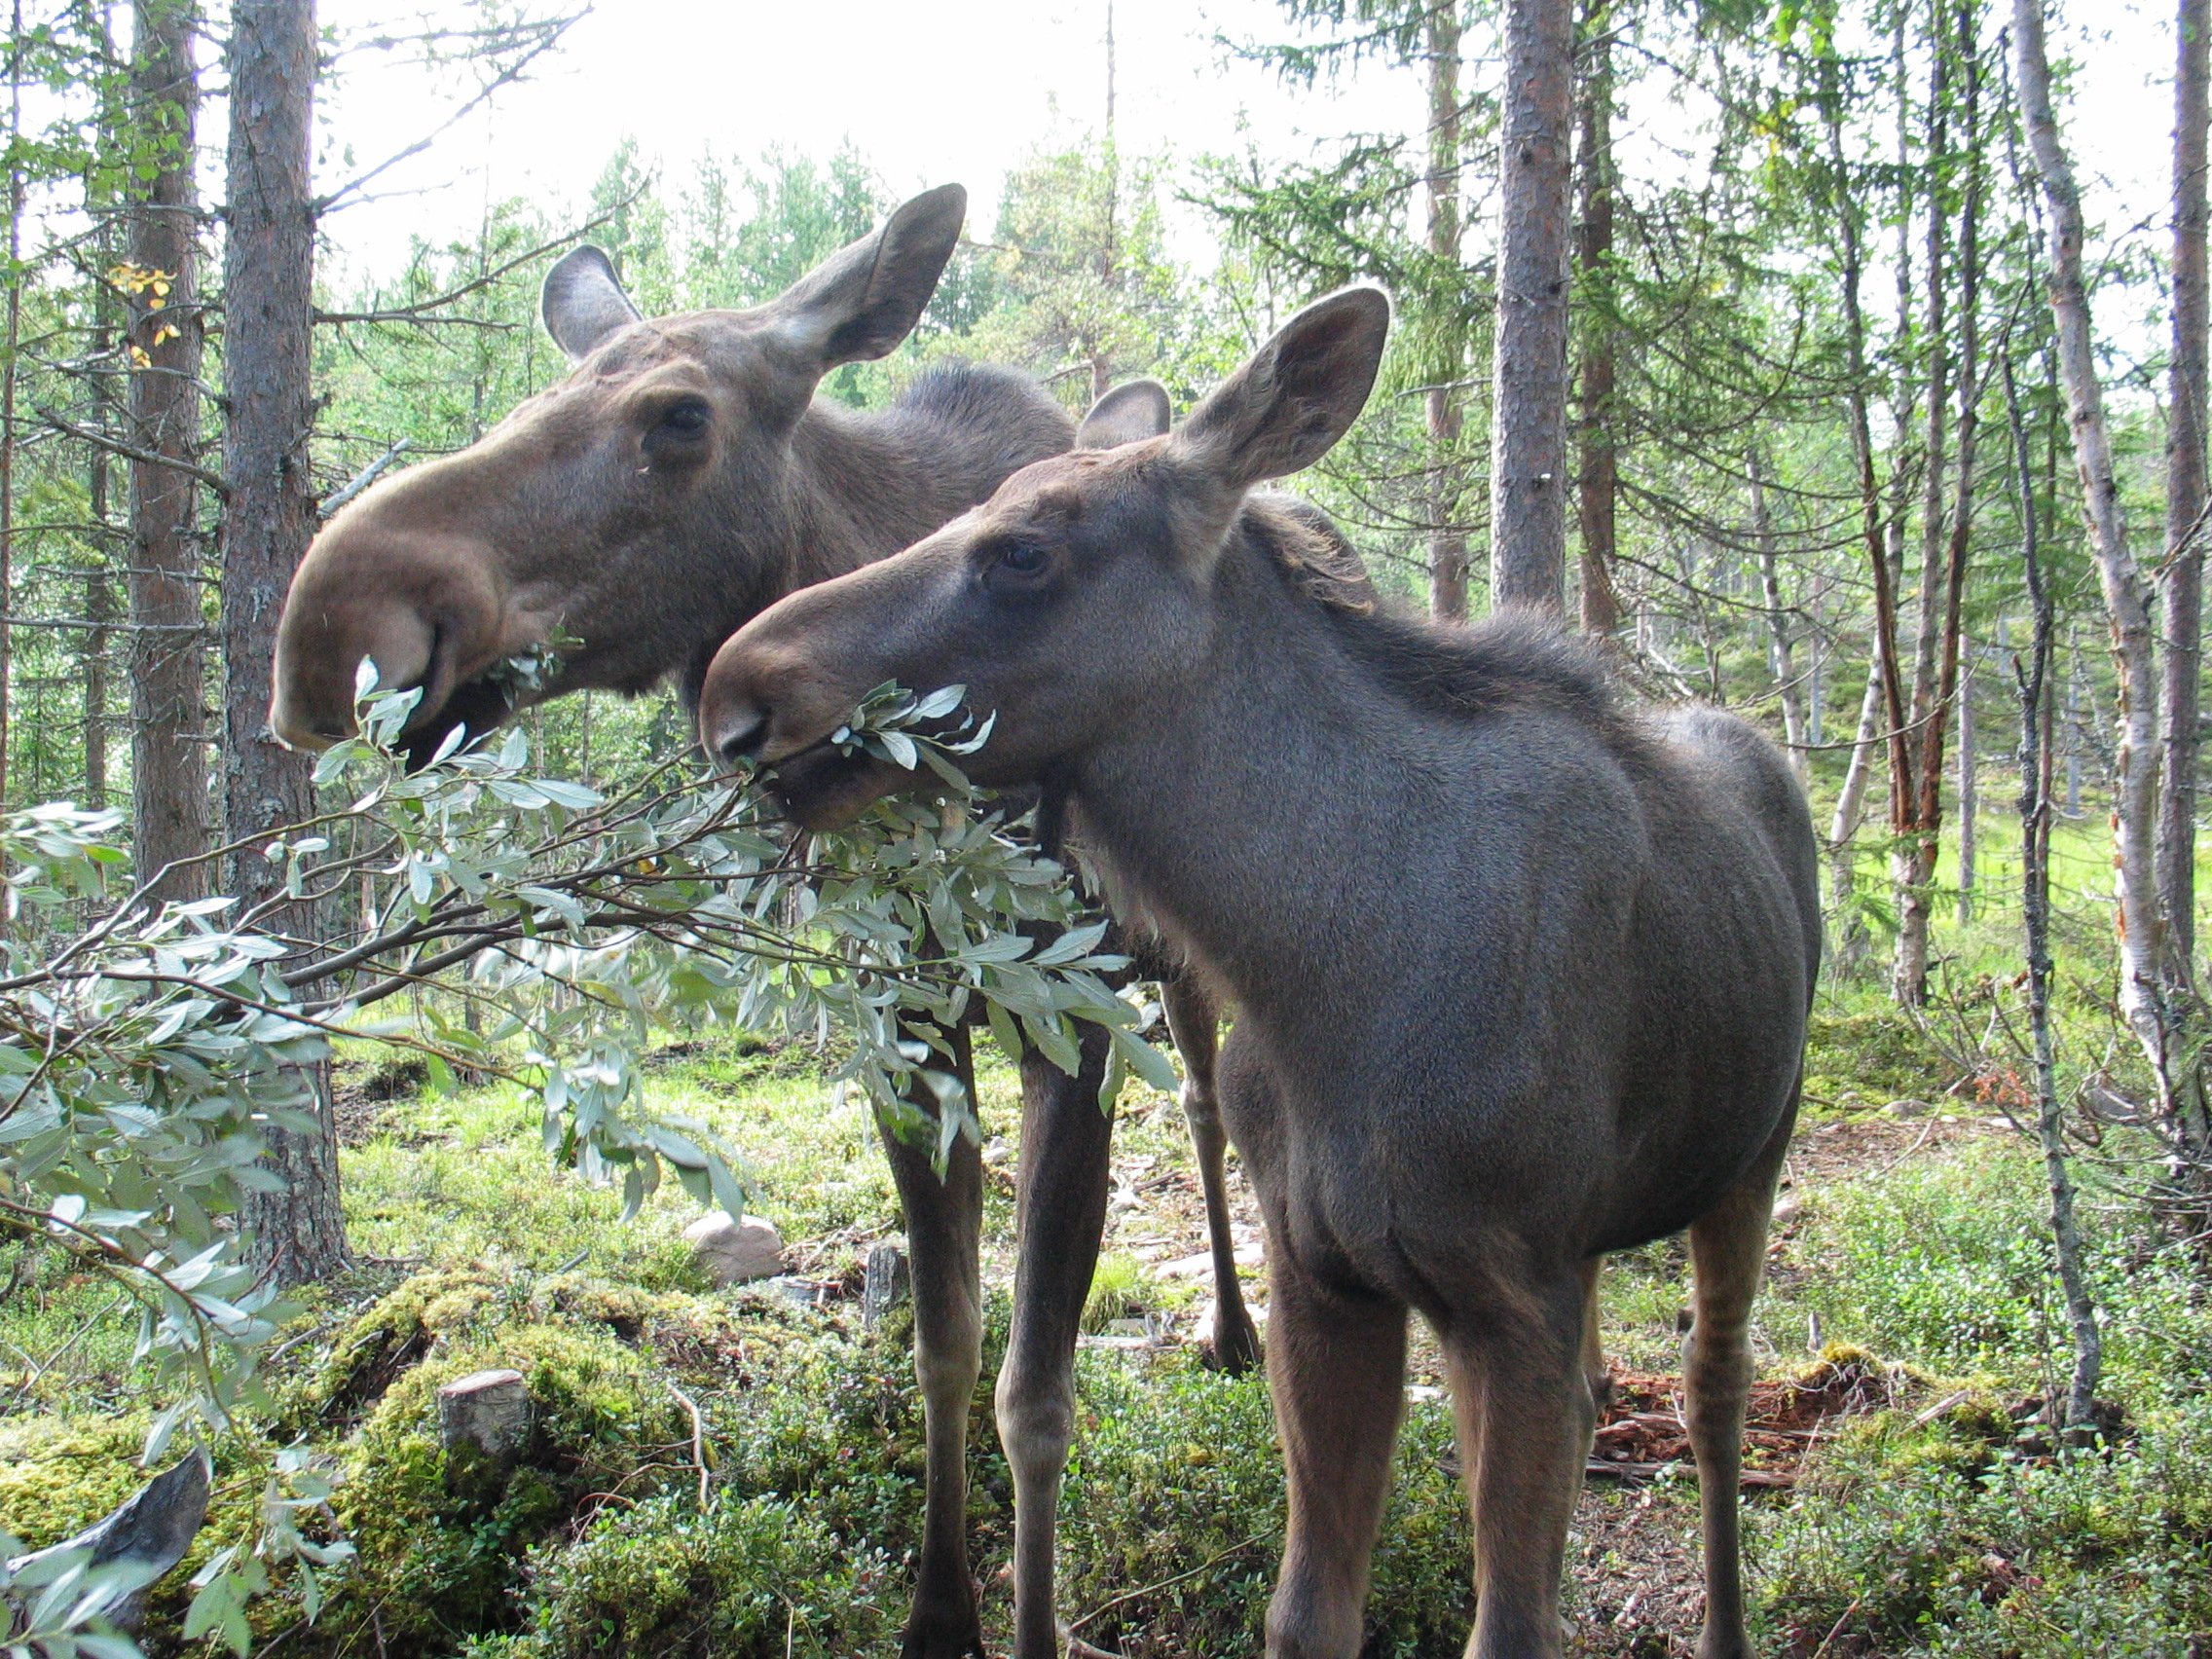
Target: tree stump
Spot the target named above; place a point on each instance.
(886, 1285)
(486, 1414)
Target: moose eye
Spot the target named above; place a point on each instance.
(1022, 559)
(683, 420)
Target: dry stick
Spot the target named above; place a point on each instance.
(1164, 1583)
(698, 1438)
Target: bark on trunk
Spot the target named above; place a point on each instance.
(2033, 680)
(1884, 702)
(1947, 541)
(168, 689)
(1598, 480)
(1529, 437)
(297, 1233)
(1444, 401)
(2182, 582)
(1781, 654)
(2135, 760)
(1969, 802)
(12, 335)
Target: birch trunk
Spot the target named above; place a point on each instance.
(2134, 643)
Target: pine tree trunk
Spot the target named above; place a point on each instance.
(2134, 641)
(296, 1234)
(1444, 402)
(169, 690)
(1529, 433)
(2182, 582)
(1597, 479)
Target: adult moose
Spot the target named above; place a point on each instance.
(681, 478)
(1523, 974)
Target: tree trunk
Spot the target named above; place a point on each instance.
(1782, 656)
(1597, 479)
(8, 345)
(169, 690)
(2035, 688)
(2180, 584)
(1884, 701)
(1946, 541)
(297, 1233)
(1968, 804)
(1528, 416)
(1912, 850)
(1444, 400)
(2134, 643)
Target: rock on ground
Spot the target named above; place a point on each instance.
(735, 1252)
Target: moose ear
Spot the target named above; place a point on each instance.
(1128, 415)
(861, 302)
(583, 303)
(1286, 408)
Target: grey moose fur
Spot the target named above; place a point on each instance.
(1523, 969)
(681, 478)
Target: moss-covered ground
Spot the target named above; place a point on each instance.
(1931, 1524)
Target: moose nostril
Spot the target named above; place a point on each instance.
(742, 738)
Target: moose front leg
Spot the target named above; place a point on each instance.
(1195, 1022)
(1066, 1142)
(944, 1244)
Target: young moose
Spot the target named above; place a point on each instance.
(684, 476)
(1523, 972)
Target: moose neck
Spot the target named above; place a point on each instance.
(1260, 813)
(860, 485)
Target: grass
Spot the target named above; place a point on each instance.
(1910, 1535)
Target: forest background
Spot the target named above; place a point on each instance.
(1856, 433)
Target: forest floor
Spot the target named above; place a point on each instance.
(1898, 1498)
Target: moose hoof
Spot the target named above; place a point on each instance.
(1232, 1347)
(946, 1635)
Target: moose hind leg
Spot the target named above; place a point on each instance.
(1728, 1255)
(1060, 1217)
(1336, 1365)
(1194, 1024)
(943, 1234)
(1525, 1412)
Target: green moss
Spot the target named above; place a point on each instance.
(60, 1476)
(750, 1578)
(1867, 1059)
(442, 1539)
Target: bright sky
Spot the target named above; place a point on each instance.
(938, 90)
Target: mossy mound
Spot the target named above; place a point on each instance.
(748, 1578)
(442, 1537)
(60, 1476)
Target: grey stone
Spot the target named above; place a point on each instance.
(143, 1538)
(735, 1252)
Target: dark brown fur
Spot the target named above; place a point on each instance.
(594, 510)
(1522, 972)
